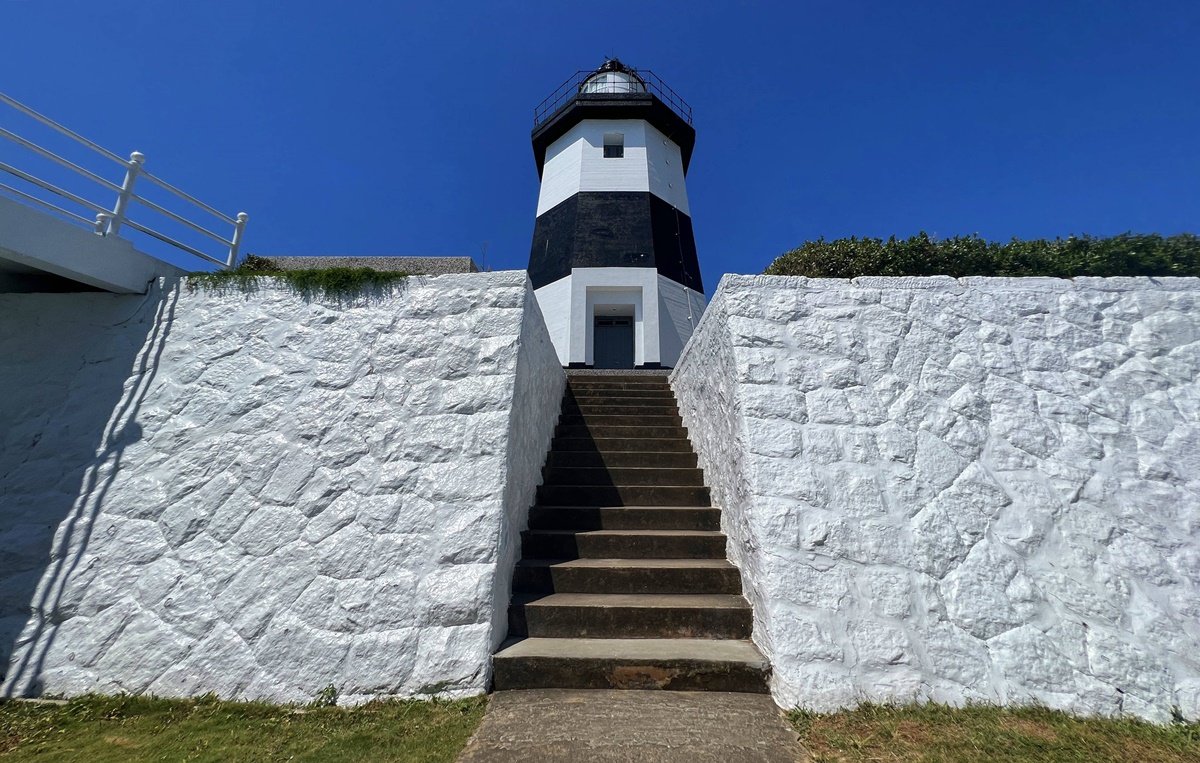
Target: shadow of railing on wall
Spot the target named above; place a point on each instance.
(92, 463)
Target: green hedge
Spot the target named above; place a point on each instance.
(921, 255)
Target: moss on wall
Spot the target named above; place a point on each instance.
(327, 282)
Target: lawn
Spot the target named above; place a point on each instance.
(131, 729)
(980, 734)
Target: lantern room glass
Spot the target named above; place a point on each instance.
(612, 82)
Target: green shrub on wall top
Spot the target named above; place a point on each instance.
(922, 255)
(328, 282)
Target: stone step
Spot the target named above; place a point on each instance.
(618, 388)
(607, 419)
(582, 518)
(602, 431)
(565, 458)
(620, 404)
(623, 495)
(575, 386)
(622, 544)
(635, 374)
(589, 412)
(671, 664)
(621, 444)
(624, 615)
(603, 475)
(627, 576)
(615, 382)
(654, 394)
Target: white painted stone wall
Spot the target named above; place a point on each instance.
(260, 495)
(982, 489)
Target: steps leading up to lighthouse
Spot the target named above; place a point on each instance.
(674, 664)
(624, 581)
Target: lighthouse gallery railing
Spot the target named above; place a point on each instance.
(569, 89)
(109, 221)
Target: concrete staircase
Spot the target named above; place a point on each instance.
(624, 581)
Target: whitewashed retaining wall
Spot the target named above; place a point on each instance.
(983, 489)
(262, 495)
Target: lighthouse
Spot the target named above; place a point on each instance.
(613, 261)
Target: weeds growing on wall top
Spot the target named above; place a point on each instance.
(923, 255)
(321, 282)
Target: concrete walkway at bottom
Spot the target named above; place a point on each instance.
(553, 725)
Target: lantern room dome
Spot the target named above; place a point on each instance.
(613, 77)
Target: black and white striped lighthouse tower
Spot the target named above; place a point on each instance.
(614, 259)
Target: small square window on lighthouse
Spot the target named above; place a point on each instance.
(614, 145)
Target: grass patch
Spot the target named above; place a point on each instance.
(321, 282)
(981, 734)
(129, 729)
(923, 255)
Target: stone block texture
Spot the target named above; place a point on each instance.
(260, 495)
(960, 490)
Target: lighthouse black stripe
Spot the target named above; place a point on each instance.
(614, 229)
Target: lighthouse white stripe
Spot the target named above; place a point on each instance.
(575, 163)
(664, 169)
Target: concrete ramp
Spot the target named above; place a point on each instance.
(39, 252)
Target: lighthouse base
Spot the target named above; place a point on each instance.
(619, 317)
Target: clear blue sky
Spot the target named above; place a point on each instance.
(403, 128)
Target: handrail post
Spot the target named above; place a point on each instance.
(136, 159)
(236, 243)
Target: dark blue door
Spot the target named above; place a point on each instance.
(613, 342)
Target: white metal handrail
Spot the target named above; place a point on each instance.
(45, 204)
(58, 159)
(56, 126)
(167, 186)
(110, 223)
(51, 188)
(177, 218)
(173, 242)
